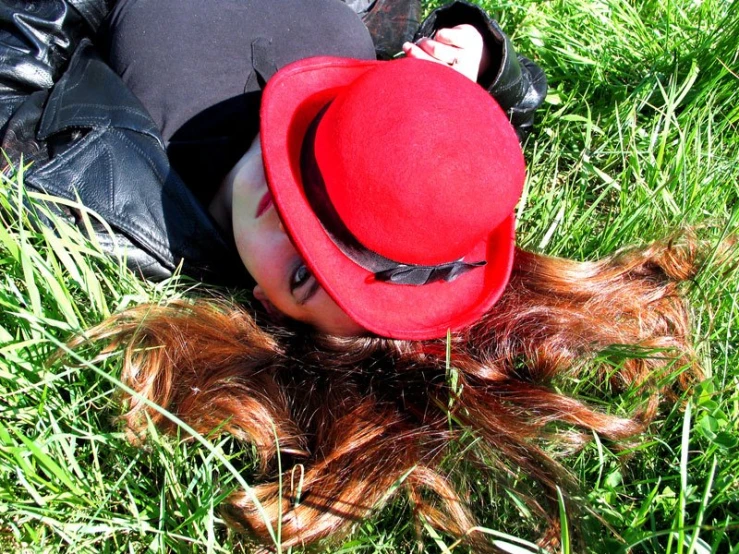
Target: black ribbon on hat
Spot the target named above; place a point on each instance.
(384, 269)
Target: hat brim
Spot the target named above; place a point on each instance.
(292, 99)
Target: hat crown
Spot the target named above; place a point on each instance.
(391, 170)
(419, 162)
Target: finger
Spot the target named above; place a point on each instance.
(461, 36)
(473, 58)
(464, 65)
(442, 52)
(413, 51)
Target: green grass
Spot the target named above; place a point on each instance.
(638, 138)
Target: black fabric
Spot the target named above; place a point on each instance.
(391, 23)
(117, 167)
(199, 67)
(92, 11)
(516, 83)
(82, 134)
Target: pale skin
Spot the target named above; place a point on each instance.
(242, 205)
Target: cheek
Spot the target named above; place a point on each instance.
(269, 257)
(263, 253)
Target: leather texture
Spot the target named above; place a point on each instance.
(391, 23)
(517, 83)
(92, 11)
(89, 139)
(86, 137)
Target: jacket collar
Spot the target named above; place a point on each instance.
(118, 171)
(89, 95)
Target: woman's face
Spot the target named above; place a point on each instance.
(285, 285)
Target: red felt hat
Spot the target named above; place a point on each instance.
(397, 183)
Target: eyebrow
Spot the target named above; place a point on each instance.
(310, 292)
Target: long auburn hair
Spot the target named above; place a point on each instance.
(364, 416)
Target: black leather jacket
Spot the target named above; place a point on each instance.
(86, 137)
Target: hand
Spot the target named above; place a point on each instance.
(461, 48)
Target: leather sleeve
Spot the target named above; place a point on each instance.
(517, 83)
(85, 138)
(93, 11)
(106, 153)
(37, 39)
